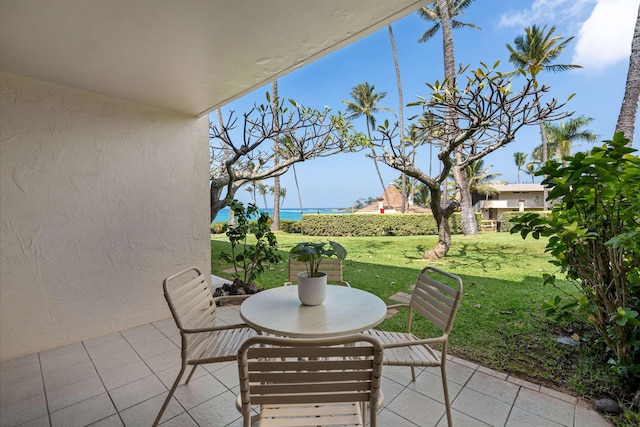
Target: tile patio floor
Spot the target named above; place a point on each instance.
(121, 379)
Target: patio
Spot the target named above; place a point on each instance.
(122, 379)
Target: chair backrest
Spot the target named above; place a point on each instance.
(283, 371)
(190, 300)
(331, 266)
(436, 300)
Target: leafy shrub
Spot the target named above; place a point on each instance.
(594, 236)
(361, 225)
(506, 222)
(250, 259)
(290, 226)
(217, 227)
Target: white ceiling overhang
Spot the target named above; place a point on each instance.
(187, 56)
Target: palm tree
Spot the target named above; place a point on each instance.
(403, 189)
(283, 194)
(520, 158)
(432, 14)
(534, 52)
(252, 190)
(531, 169)
(225, 156)
(629, 109)
(365, 103)
(442, 13)
(481, 181)
(263, 190)
(285, 143)
(562, 136)
(275, 224)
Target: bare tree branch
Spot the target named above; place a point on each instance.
(489, 116)
(305, 133)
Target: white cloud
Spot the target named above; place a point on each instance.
(543, 12)
(605, 37)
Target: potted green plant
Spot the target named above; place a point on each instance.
(312, 283)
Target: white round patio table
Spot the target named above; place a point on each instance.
(345, 311)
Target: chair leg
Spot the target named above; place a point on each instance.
(170, 395)
(413, 374)
(445, 388)
(191, 374)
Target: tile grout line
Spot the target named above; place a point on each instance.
(103, 385)
(44, 390)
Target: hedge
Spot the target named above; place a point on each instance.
(362, 225)
(375, 225)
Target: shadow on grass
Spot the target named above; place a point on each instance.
(499, 323)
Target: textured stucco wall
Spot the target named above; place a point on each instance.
(100, 199)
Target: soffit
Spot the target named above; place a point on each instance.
(188, 56)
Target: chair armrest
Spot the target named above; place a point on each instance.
(345, 283)
(215, 328)
(425, 341)
(400, 305)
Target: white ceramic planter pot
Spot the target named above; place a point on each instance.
(312, 290)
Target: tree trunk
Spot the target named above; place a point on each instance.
(275, 223)
(444, 241)
(468, 221)
(403, 189)
(545, 157)
(215, 202)
(469, 224)
(442, 220)
(375, 163)
(629, 108)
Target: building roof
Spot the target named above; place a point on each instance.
(395, 203)
(502, 188)
(187, 56)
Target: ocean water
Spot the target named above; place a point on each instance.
(292, 214)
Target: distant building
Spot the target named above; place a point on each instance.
(509, 198)
(394, 205)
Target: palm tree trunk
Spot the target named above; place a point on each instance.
(469, 224)
(629, 108)
(375, 163)
(545, 157)
(450, 74)
(295, 177)
(227, 154)
(275, 223)
(403, 189)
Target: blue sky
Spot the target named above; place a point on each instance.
(603, 30)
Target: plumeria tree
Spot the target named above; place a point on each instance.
(242, 151)
(489, 112)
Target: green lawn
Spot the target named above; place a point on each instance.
(499, 323)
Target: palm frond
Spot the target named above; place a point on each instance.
(427, 35)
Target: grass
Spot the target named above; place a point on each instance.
(499, 324)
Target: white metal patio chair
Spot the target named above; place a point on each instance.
(193, 308)
(438, 303)
(310, 382)
(331, 266)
